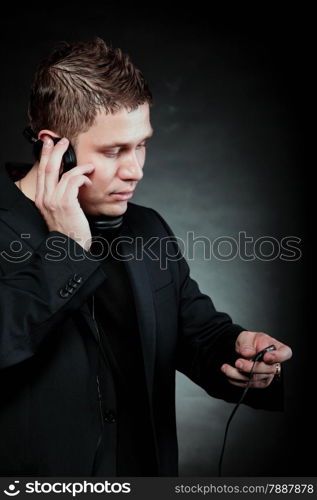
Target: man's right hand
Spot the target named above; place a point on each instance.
(57, 200)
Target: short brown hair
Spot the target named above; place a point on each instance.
(78, 79)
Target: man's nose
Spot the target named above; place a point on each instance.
(131, 169)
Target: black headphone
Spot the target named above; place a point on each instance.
(256, 357)
(69, 157)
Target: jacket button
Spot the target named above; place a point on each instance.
(72, 283)
(63, 293)
(109, 417)
(77, 278)
(69, 289)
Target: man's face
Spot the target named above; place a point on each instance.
(115, 145)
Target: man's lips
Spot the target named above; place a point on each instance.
(123, 192)
(123, 195)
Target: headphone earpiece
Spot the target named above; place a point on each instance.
(69, 157)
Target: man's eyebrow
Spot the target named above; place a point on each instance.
(116, 144)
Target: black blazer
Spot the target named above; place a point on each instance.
(50, 421)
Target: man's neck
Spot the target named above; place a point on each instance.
(28, 183)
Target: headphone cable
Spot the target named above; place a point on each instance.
(231, 417)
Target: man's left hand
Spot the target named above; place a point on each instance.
(249, 344)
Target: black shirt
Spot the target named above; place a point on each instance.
(115, 313)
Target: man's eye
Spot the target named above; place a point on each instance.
(111, 155)
(143, 146)
(115, 155)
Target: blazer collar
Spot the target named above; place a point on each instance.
(9, 173)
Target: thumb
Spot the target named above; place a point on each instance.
(245, 344)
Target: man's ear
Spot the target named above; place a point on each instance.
(44, 132)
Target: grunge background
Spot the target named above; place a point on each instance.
(231, 94)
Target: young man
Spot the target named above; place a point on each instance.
(91, 334)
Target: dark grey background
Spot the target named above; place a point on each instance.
(227, 156)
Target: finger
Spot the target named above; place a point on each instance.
(237, 376)
(246, 344)
(261, 381)
(233, 373)
(53, 167)
(40, 178)
(259, 367)
(72, 188)
(79, 170)
(254, 384)
(238, 384)
(45, 151)
(282, 353)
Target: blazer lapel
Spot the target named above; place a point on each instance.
(143, 299)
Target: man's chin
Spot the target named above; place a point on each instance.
(113, 210)
(117, 208)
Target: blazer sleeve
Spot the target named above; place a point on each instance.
(34, 299)
(206, 340)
